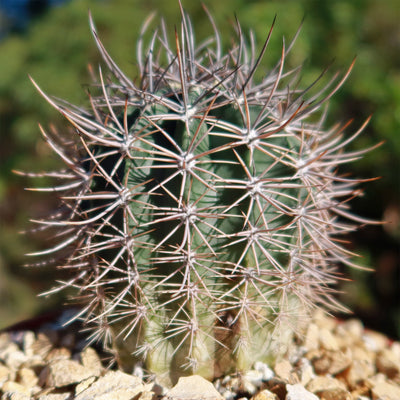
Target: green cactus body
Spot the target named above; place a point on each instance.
(203, 208)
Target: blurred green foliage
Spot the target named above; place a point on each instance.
(56, 51)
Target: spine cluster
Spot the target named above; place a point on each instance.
(201, 210)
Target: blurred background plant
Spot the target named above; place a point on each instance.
(55, 47)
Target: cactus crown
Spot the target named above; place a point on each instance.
(201, 209)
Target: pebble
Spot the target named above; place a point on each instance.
(193, 388)
(335, 394)
(299, 392)
(305, 371)
(28, 341)
(6, 349)
(15, 396)
(254, 377)
(41, 346)
(327, 340)
(385, 391)
(266, 372)
(91, 361)
(5, 374)
(64, 373)
(27, 377)
(374, 341)
(388, 363)
(60, 353)
(115, 385)
(359, 371)
(147, 395)
(81, 386)
(15, 359)
(332, 361)
(395, 348)
(283, 369)
(321, 383)
(228, 394)
(247, 386)
(14, 387)
(312, 337)
(340, 361)
(324, 321)
(349, 332)
(265, 395)
(55, 396)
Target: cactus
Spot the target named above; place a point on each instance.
(200, 209)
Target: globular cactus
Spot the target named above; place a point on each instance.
(200, 209)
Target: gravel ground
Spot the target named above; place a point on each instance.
(333, 361)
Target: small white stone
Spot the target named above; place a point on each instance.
(266, 371)
(299, 392)
(193, 388)
(4, 340)
(327, 340)
(388, 363)
(14, 387)
(283, 370)
(228, 395)
(146, 396)
(81, 386)
(254, 377)
(5, 374)
(15, 396)
(55, 396)
(15, 359)
(395, 348)
(64, 372)
(28, 341)
(114, 385)
(42, 345)
(359, 371)
(311, 338)
(385, 391)
(57, 354)
(305, 371)
(324, 321)
(27, 377)
(322, 383)
(265, 395)
(374, 341)
(248, 386)
(6, 349)
(91, 361)
(354, 327)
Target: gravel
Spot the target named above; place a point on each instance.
(334, 360)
